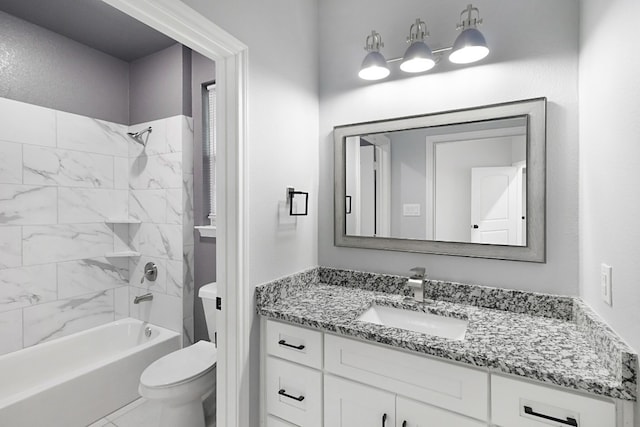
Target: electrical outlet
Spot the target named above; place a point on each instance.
(605, 283)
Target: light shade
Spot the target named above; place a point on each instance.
(417, 58)
(374, 67)
(470, 46)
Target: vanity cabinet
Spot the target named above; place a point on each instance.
(315, 379)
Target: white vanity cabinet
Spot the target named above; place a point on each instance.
(315, 379)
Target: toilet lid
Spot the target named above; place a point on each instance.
(181, 365)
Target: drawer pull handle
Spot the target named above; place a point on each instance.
(384, 419)
(297, 347)
(283, 392)
(570, 421)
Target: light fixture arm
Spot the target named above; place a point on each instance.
(470, 22)
(373, 42)
(417, 31)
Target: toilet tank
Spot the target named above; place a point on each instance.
(209, 293)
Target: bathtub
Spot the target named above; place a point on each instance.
(80, 378)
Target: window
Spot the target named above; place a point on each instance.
(209, 148)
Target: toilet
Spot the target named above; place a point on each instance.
(180, 381)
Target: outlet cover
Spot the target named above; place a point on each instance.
(605, 283)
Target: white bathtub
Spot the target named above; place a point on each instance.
(75, 380)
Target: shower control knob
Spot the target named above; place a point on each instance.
(150, 272)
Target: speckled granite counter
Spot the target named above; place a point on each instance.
(554, 339)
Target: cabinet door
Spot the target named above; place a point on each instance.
(414, 414)
(349, 404)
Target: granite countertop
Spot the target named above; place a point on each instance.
(556, 340)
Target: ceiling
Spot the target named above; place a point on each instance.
(92, 23)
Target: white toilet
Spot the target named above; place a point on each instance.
(181, 380)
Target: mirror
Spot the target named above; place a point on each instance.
(467, 182)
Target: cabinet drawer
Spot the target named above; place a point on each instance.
(414, 414)
(510, 399)
(277, 422)
(293, 343)
(441, 384)
(294, 393)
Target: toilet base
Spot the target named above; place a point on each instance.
(188, 414)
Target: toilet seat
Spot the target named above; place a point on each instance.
(181, 366)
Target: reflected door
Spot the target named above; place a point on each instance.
(494, 207)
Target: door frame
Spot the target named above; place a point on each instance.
(180, 22)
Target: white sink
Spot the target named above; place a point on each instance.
(417, 321)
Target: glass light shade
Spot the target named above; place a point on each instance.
(374, 67)
(417, 58)
(470, 46)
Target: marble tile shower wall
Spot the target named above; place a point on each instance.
(161, 198)
(62, 176)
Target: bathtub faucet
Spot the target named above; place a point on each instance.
(145, 297)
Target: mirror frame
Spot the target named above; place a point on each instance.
(535, 250)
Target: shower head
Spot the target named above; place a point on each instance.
(137, 136)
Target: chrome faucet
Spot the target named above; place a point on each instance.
(145, 297)
(417, 282)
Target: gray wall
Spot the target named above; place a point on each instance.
(203, 71)
(44, 68)
(157, 85)
(408, 183)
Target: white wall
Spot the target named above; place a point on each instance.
(610, 160)
(282, 137)
(534, 54)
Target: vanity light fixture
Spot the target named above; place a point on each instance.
(374, 66)
(469, 47)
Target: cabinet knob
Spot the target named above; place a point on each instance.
(475, 226)
(384, 419)
(404, 423)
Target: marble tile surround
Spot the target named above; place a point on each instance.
(61, 176)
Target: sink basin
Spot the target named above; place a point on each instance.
(417, 321)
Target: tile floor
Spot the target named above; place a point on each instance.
(139, 413)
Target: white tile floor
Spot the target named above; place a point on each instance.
(139, 413)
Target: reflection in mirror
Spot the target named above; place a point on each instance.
(467, 182)
(457, 183)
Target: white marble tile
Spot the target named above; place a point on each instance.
(163, 310)
(156, 141)
(174, 133)
(92, 275)
(160, 240)
(174, 206)
(121, 302)
(187, 331)
(148, 205)
(50, 166)
(25, 286)
(187, 145)
(188, 221)
(63, 317)
(121, 173)
(67, 242)
(188, 269)
(120, 412)
(27, 123)
(136, 271)
(10, 331)
(26, 204)
(174, 278)
(157, 171)
(121, 237)
(10, 247)
(10, 163)
(103, 422)
(83, 133)
(82, 205)
(146, 414)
